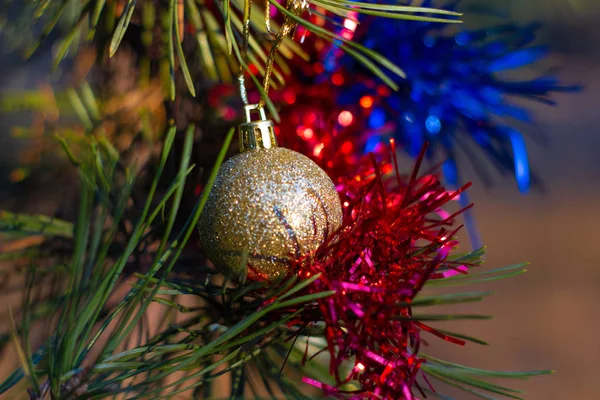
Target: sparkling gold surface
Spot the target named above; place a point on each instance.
(275, 203)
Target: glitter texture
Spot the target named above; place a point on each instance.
(275, 203)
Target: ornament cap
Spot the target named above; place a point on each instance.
(259, 134)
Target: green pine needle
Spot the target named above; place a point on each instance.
(121, 27)
(34, 225)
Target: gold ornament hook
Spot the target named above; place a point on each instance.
(258, 134)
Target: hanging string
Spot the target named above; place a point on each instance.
(268, 17)
(295, 7)
(244, 50)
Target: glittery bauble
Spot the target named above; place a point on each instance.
(275, 203)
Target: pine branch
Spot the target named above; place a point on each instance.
(64, 362)
(216, 29)
(100, 343)
(82, 307)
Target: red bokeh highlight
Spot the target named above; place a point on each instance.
(345, 118)
(366, 102)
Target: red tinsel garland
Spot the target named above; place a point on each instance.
(389, 246)
(394, 238)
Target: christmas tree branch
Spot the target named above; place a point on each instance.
(246, 326)
(91, 21)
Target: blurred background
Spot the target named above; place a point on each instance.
(547, 318)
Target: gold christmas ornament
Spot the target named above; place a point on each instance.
(271, 202)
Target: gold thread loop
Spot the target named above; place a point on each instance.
(296, 7)
(244, 51)
(268, 18)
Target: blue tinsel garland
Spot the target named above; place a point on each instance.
(456, 87)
